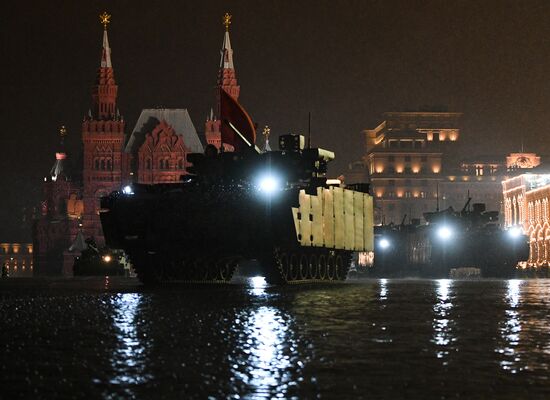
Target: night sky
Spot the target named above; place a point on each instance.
(345, 61)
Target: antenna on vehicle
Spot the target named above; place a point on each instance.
(309, 130)
(437, 196)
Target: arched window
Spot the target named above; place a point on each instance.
(102, 163)
(96, 163)
(161, 163)
(109, 164)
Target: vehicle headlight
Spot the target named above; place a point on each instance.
(384, 243)
(269, 184)
(515, 232)
(445, 232)
(127, 189)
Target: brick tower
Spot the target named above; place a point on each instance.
(227, 80)
(105, 164)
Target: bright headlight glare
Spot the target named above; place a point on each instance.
(384, 243)
(445, 232)
(127, 189)
(269, 184)
(515, 231)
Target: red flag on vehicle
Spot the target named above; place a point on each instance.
(232, 112)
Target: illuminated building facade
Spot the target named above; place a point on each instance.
(481, 179)
(405, 159)
(526, 204)
(17, 259)
(159, 145)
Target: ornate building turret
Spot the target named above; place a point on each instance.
(57, 223)
(227, 80)
(105, 166)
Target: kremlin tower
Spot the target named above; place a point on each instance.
(105, 164)
(227, 80)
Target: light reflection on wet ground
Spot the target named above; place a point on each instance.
(373, 339)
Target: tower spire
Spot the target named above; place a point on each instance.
(227, 78)
(59, 169)
(104, 93)
(106, 55)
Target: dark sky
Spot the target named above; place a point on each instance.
(345, 61)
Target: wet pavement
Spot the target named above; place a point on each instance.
(426, 339)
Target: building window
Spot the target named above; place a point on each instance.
(418, 144)
(435, 136)
(479, 170)
(394, 144)
(408, 158)
(391, 158)
(391, 182)
(96, 163)
(109, 164)
(102, 164)
(424, 158)
(408, 194)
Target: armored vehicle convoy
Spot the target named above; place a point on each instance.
(449, 243)
(276, 207)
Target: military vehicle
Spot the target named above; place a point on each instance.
(450, 240)
(276, 207)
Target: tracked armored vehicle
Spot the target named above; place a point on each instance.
(276, 207)
(450, 242)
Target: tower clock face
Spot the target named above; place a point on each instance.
(523, 162)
